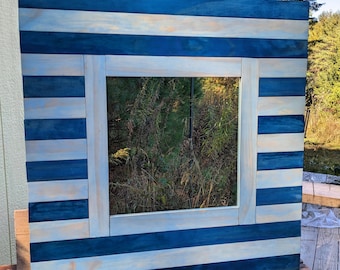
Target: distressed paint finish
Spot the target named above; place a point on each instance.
(69, 47)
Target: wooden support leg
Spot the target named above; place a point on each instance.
(22, 239)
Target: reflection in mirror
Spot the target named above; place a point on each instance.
(172, 143)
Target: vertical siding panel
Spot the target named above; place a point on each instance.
(97, 145)
(247, 141)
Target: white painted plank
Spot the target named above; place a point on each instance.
(180, 256)
(278, 213)
(59, 230)
(247, 136)
(281, 105)
(47, 150)
(283, 68)
(321, 189)
(97, 145)
(280, 142)
(161, 66)
(52, 65)
(279, 178)
(54, 108)
(173, 220)
(48, 191)
(158, 24)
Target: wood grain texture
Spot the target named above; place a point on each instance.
(81, 248)
(281, 124)
(279, 160)
(283, 68)
(281, 105)
(280, 142)
(161, 66)
(53, 86)
(309, 237)
(247, 141)
(54, 108)
(270, 87)
(158, 24)
(62, 210)
(22, 239)
(55, 129)
(48, 150)
(279, 178)
(321, 194)
(48, 231)
(56, 170)
(278, 212)
(284, 195)
(52, 65)
(173, 220)
(97, 146)
(101, 44)
(224, 8)
(48, 191)
(181, 256)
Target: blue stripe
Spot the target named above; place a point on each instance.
(276, 161)
(53, 129)
(53, 86)
(63, 210)
(281, 124)
(288, 262)
(284, 195)
(224, 8)
(271, 87)
(56, 170)
(82, 248)
(103, 44)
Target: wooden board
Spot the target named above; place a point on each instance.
(22, 238)
(309, 236)
(321, 193)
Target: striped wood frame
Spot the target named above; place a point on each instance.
(68, 50)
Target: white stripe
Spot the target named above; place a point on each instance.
(278, 213)
(52, 64)
(279, 178)
(46, 150)
(162, 66)
(54, 108)
(180, 256)
(283, 68)
(48, 191)
(59, 230)
(281, 105)
(163, 25)
(173, 220)
(280, 142)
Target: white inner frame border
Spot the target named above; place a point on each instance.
(97, 69)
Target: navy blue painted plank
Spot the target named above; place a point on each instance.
(284, 195)
(224, 8)
(288, 262)
(105, 44)
(281, 124)
(271, 87)
(282, 160)
(56, 170)
(63, 210)
(81, 248)
(53, 86)
(52, 129)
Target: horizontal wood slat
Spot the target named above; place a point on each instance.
(321, 193)
(101, 44)
(283, 195)
(160, 24)
(160, 241)
(53, 86)
(281, 105)
(180, 256)
(54, 108)
(278, 212)
(283, 68)
(224, 8)
(270, 87)
(281, 124)
(280, 142)
(48, 231)
(279, 178)
(58, 190)
(279, 160)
